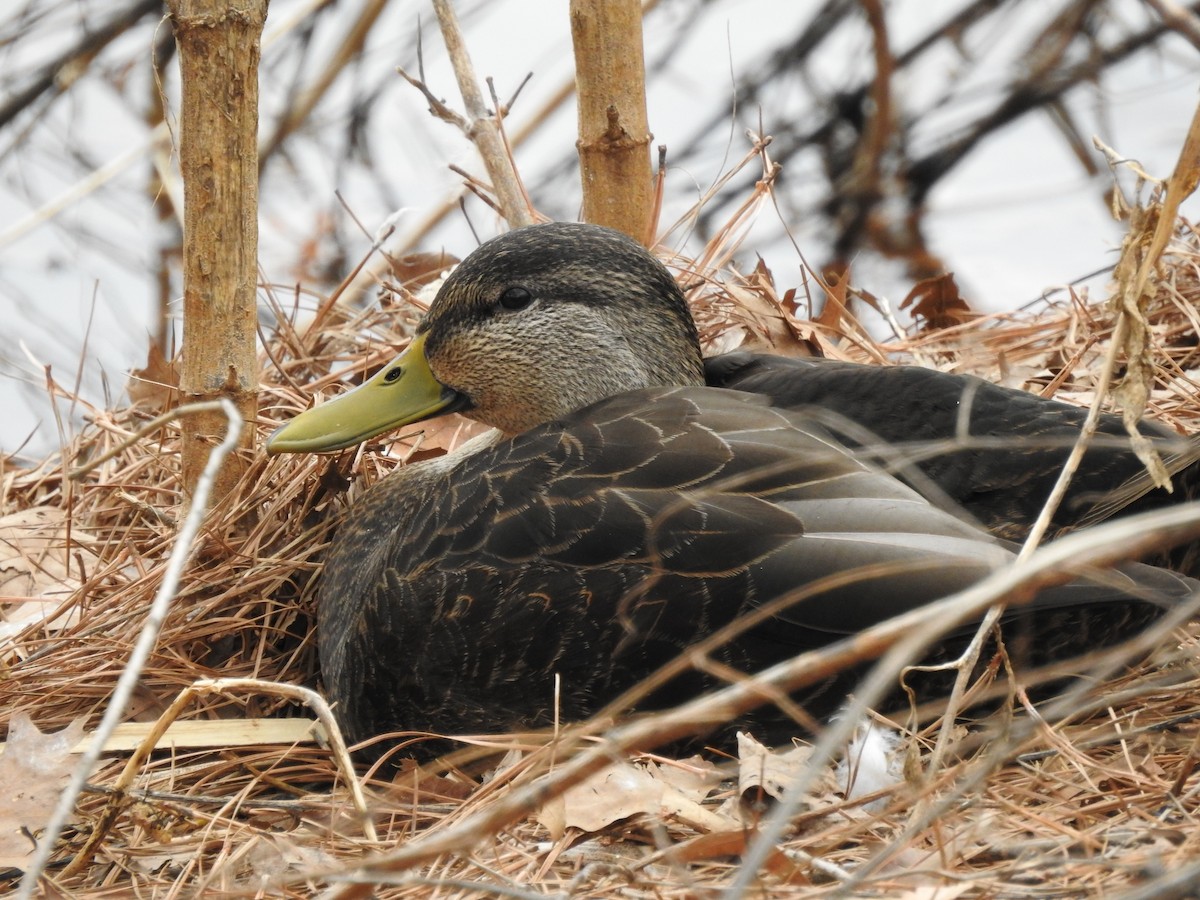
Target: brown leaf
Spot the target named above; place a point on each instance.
(767, 317)
(410, 779)
(161, 822)
(614, 793)
(34, 769)
(762, 770)
(156, 384)
(695, 776)
(625, 789)
(39, 566)
(938, 302)
(441, 436)
(734, 843)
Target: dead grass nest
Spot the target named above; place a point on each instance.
(1101, 802)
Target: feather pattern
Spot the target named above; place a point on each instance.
(600, 546)
(990, 451)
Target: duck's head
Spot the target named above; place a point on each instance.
(533, 325)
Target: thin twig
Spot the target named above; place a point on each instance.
(127, 683)
(1101, 545)
(483, 130)
(153, 425)
(133, 766)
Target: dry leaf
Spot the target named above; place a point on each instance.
(938, 302)
(156, 384)
(624, 790)
(144, 861)
(39, 568)
(276, 856)
(936, 891)
(411, 782)
(735, 843)
(441, 436)
(771, 326)
(694, 776)
(616, 792)
(34, 769)
(836, 309)
(415, 270)
(763, 770)
(161, 822)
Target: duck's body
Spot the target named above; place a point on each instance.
(624, 512)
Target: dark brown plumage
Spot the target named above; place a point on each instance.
(1002, 467)
(626, 510)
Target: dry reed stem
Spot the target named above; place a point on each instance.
(132, 668)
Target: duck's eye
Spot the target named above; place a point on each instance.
(515, 298)
(393, 374)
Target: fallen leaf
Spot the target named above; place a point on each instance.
(735, 843)
(274, 856)
(613, 793)
(415, 270)
(439, 437)
(411, 783)
(39, 567)
(163, 823)
(836, 309)
(34, 769)
(625, 790)
(695, 775)
(156, 384)
(936, 891)
(766, 316)
(762, 770)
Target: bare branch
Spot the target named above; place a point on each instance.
(68, 65)
(483, 129)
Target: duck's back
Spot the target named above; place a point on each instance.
(998, 462)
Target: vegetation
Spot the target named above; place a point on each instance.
(249, 791)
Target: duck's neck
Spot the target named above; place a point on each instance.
(662, 342)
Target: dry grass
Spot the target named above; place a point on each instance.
(1099, 803)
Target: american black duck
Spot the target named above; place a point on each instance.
(623, 509)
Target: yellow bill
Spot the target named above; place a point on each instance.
(403, 391)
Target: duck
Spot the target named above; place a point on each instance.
(632, 498)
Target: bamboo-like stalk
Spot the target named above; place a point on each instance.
(614, 135)
(219, 49)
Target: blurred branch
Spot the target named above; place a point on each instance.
(1023, 96)
(64, 69)
(303, 105)
(131, 672)
(84, 186)
(876, 192)
(1180, 18)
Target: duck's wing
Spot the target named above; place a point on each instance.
(999, 462)
(599, 547)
